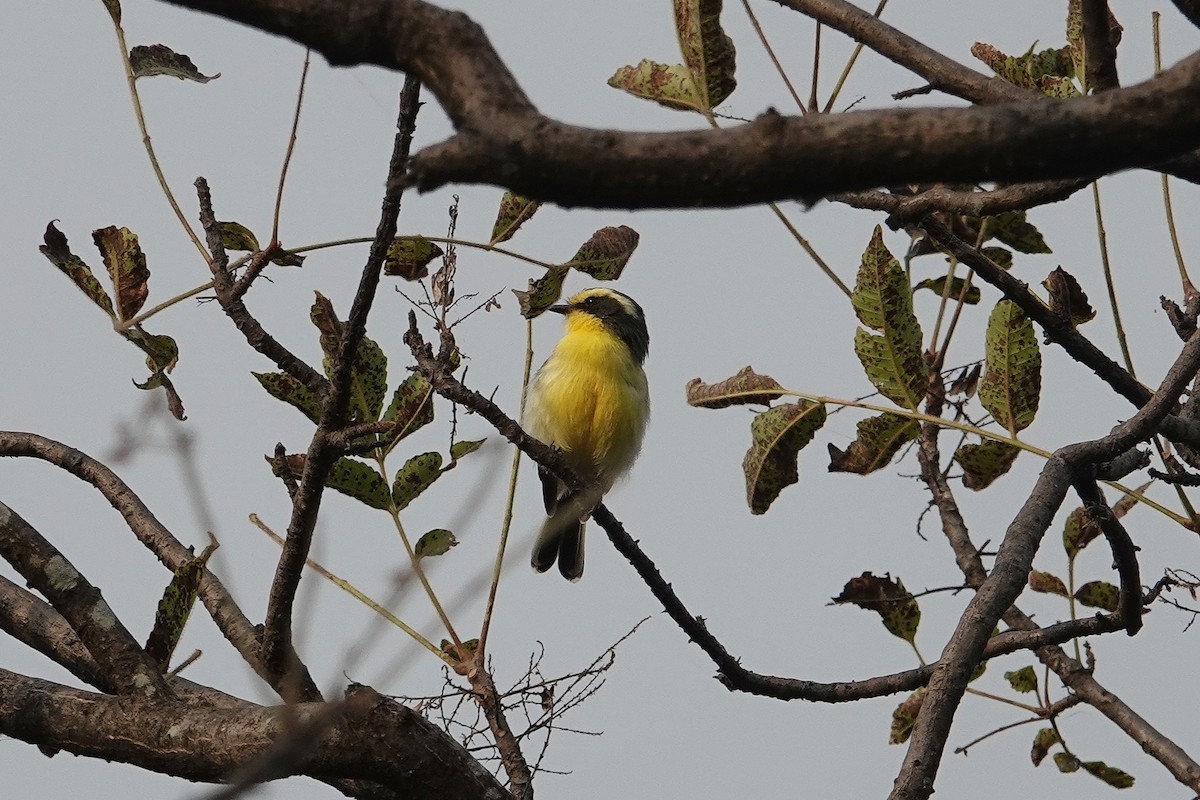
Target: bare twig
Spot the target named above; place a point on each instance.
(306, 503)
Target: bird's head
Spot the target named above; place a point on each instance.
(618, 313)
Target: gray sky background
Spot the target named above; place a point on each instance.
(721, 289)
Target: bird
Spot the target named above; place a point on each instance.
(590, 401)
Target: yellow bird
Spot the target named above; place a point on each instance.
(591, 401)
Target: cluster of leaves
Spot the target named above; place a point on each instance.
(126, 266)
(1052, 71)
(411, 408)
(603, 256)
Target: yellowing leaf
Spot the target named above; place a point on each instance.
(60, 255)
(514, 212)
(883, 302)
(126, 265)
(158, 59)
(879, 439)
(236, 236)
(707, 51)
(1047, 583)
(778, 435)
(669, 85)
(1012, 379)
(747, 387)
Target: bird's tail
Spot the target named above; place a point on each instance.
(561, 540)
(561, 536)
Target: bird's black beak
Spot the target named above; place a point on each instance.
(561, 308)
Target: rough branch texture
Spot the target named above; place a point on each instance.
(371, 738)
(502, 139)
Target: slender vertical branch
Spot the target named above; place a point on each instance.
(277, 632)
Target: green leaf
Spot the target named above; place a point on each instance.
(1047, 583)
(883, 302)
(985, 462)
(368, 376)
(1012, 229)
(368, 380)
(236, 236)
(899, 610)
(162, 352)
(1118, 779)
(408, 257)
(284, 387)
(461, 449)
(175, 607)
(938, 287)
(606, 253)
(158, 59)
(1067, 298)
(1012, 379)
(669, 85)
(707, 51)
(1042, 742)
(879, 439)
(60, 255)
(543, 293)
(159, 379)
(411, 407)
(417, 475)
(514, 212)
(1002, 257)
(747, 387)
(904, 717)
(1022, 680)
(360, 481)
(1079, 531)
(435, 543)
(1099, 594)
(1066, 762)
(777, 437)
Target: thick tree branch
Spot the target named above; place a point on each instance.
(503, 140)
(371, 738)
(233, 624)
(322, 450)
(1100, 51)
(128, 667)
(35, 624)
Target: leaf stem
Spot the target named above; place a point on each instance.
(506, 525)
(358, 595)
(141, 122)
(291, 145)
